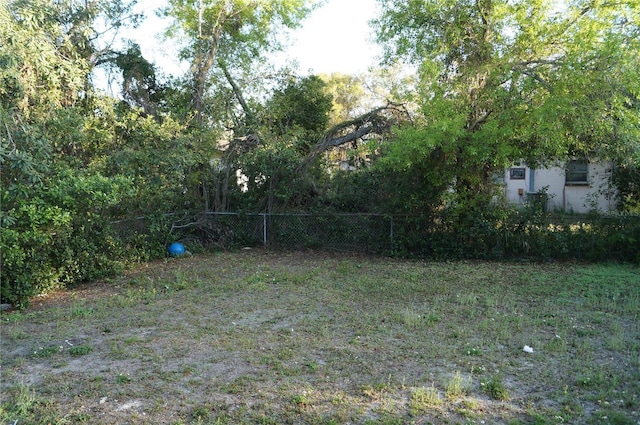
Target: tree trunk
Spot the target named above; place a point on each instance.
(202, 64)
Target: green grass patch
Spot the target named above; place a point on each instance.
(80, 350)
(424, 398)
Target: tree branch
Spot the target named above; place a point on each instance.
(372, 122)
(251, 118)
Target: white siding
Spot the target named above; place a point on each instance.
(597, 194)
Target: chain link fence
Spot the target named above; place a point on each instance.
(370, 233)
(342, 232)
(550, 236)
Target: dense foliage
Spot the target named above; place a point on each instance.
(502, 81)
(495, 82)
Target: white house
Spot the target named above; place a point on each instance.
(576, 186)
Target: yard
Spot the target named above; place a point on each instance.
(257, 337)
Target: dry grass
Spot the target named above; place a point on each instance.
(272, 338)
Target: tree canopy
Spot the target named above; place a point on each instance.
(503, 80)
(225, 33)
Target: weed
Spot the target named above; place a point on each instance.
(183, 281)
(300, 400)
(118, 352)
(200, 413)
(24, 400)
(473, 352)
(470, 404)
(82, 312)
(612, 417)
(595, 379)
(423, 399)
(495, 388)
(467, 298)
(375, 391)
(616, 340)
(311, 366)
(132, 340)
(121, 378)
(411, 318)
(46, 352)
(432, 318)
(23, 405)
(385, 420)
(80, 350)
(556, 344)
(456, 387)
(15, 333)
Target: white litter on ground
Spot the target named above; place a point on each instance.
(129, 405)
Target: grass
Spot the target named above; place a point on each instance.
(456, 387)
(495, 388)
(255, 337)
(423, 399)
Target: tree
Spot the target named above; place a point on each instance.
(229, 33)
(299, 111)
(285, 169)
(40, 70)
(54, 204)
(348, 96)
(288, 124)
(504, 80)
(140, 87)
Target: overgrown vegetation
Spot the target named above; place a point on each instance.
(253, 337)
(509, 233)
(495, 83)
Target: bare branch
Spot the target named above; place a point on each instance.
(10, 138)
(531, 73)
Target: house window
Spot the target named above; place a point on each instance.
(516, 173)
(576, 172)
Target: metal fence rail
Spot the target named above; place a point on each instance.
(343, 232)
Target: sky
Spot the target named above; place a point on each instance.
(335, 38)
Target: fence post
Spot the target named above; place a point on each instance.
(264, 229)
(391, 233)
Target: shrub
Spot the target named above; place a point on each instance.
(496, 389)
(58, 235)
(28, 241)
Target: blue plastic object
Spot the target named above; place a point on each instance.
(176, 249)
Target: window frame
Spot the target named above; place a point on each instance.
(517, 173)
(576, 172)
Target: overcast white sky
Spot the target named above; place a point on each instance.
(335, 38)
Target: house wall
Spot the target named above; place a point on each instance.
(597, 194)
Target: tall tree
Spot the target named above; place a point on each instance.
(504, 80)
(226, 33)
(299, 111)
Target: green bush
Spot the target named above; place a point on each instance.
(28, 241)
(58, 235)
(510, 233)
